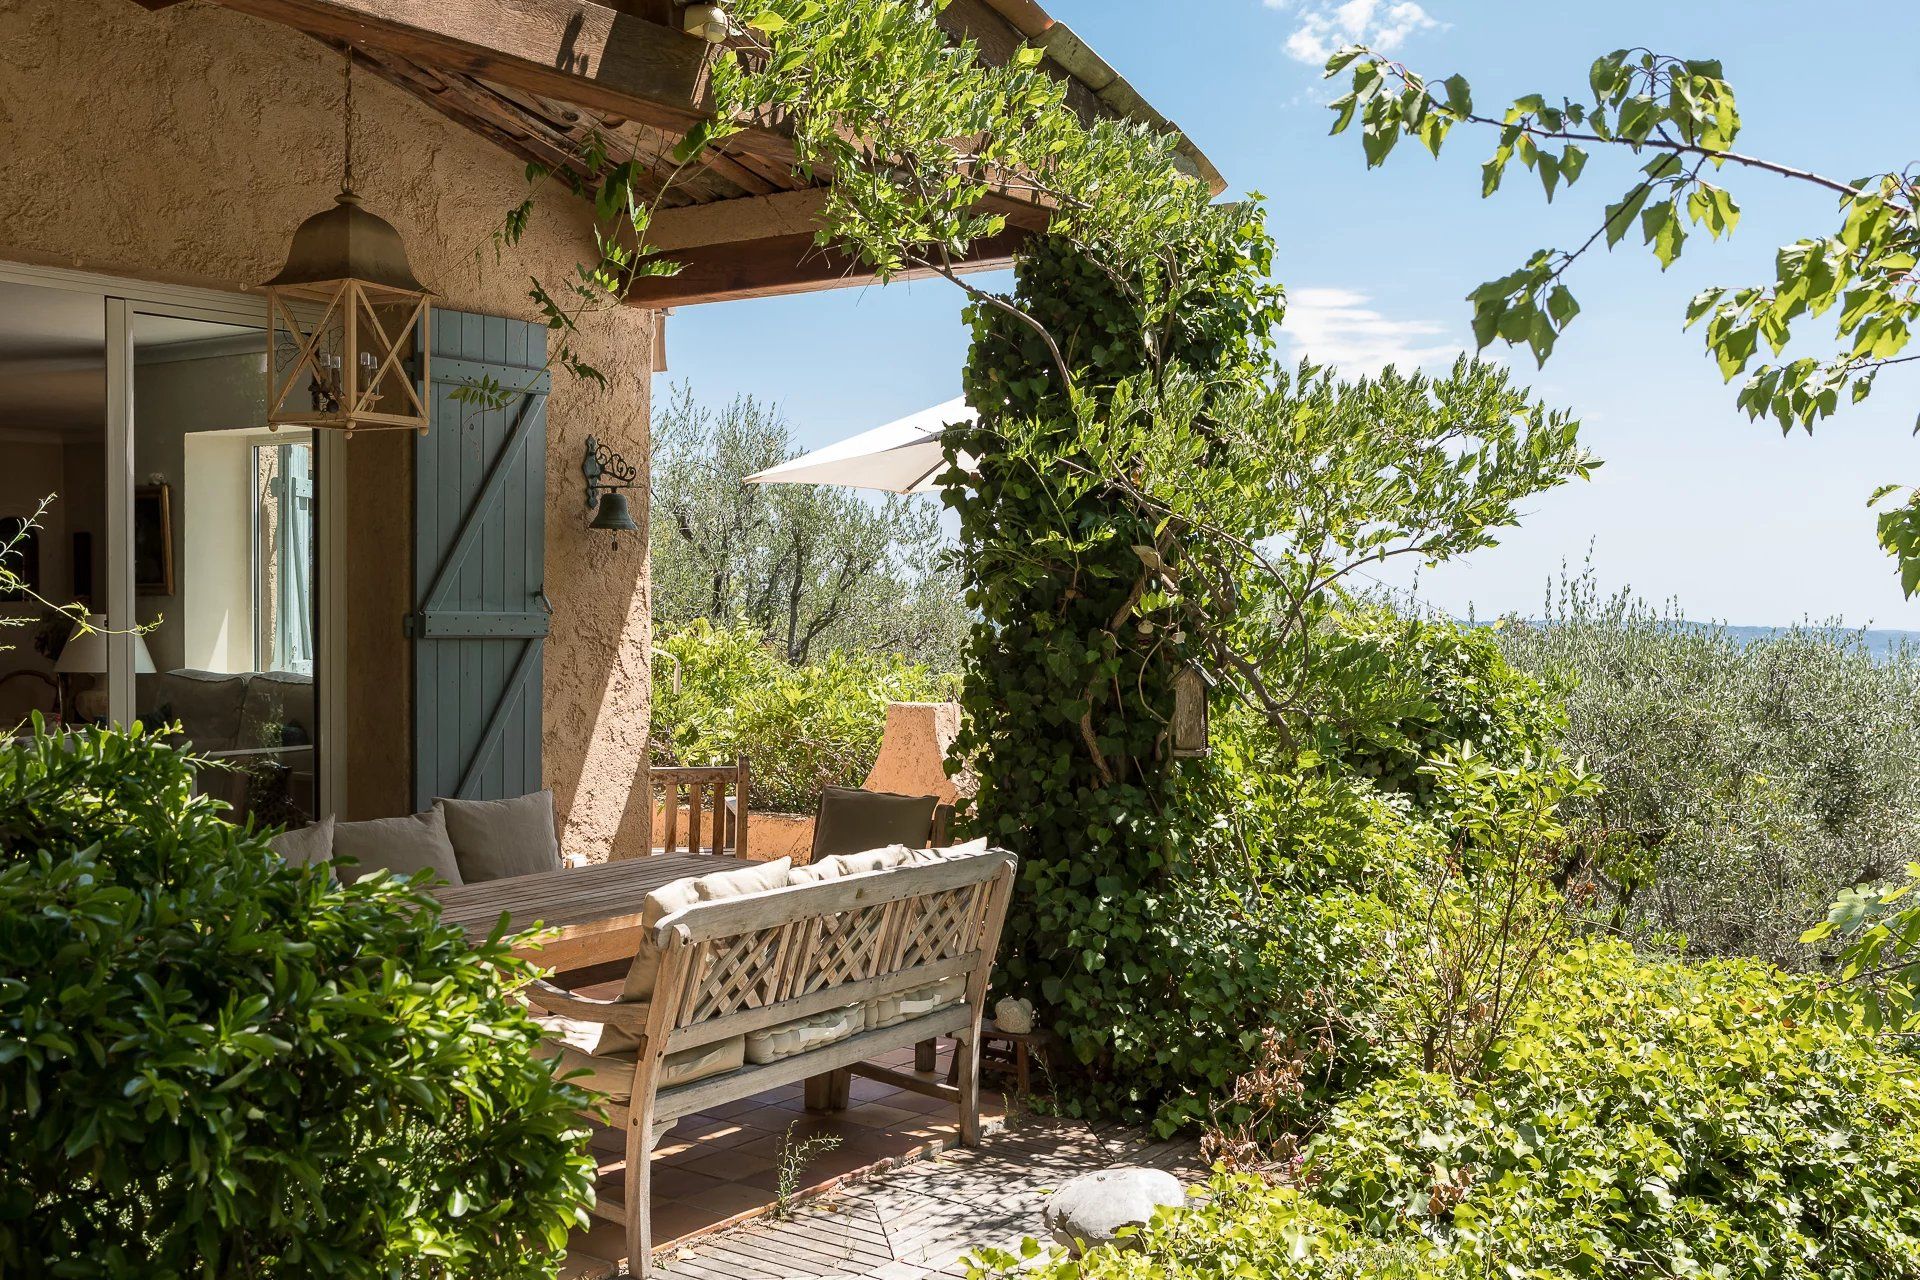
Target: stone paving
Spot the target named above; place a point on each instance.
(897, 1199)
(917, 1220)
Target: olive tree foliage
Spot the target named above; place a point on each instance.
(1745, 783)
(1681, 116)
(815, 568)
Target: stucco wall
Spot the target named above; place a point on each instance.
(185, 145)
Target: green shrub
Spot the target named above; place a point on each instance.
(1402, 690)
(1642, 1119)
(1239, 1228)
(1664, 1118)
(1746, 783)
(801, 728)
(213, 1064)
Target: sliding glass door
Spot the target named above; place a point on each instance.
(223, 565)
(166, 552)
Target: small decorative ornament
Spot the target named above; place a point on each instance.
(343, 316)
(1014, 1014)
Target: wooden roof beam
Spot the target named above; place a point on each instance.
(789, 264)
(573, 50)
(764, 246)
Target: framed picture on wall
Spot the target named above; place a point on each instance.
(153, 540)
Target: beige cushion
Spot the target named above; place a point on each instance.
(495, 839)
(400, 845)
(815, 873)
(857, 864)
(568, 1043)
(669, 899)
(803, 1034)
(738, 884)
(305, 846)
(917, 1003)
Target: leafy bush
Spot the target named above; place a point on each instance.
(801, 728)
(214, 1064)
(1745, 784)
(1404, 689)
(1672, 1119)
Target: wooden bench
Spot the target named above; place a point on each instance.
(762, 961)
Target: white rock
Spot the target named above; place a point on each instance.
(1013, 1014)
(1094, 1206)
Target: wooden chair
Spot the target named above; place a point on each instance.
(709, 815)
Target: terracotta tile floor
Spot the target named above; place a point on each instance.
(720, 1166)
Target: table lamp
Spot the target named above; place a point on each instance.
(86, 654)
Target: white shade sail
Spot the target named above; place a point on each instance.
(901, 457)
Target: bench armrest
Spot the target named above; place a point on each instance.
(544, 995)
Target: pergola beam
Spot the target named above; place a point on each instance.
(790, 263)
(579, 52)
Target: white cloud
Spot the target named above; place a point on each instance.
(1337, 327)
(1325, 27)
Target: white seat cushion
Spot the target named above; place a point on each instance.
(568, 1043)
(803, 1034)
(888, 1010)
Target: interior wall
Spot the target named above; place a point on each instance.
(213, 625)
(225, 135)
(174, 401)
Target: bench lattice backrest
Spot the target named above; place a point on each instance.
(762, 960)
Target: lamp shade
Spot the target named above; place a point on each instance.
(347, 242)
(86, 651)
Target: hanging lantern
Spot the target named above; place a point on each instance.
(1189, 728)
(344, 316)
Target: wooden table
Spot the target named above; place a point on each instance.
(596, 909)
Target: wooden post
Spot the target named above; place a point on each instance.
(740, 811)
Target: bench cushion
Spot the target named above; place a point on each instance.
(803, 1034)
(883, 859)
(665, 901)
(888, 1010)
(305, 846)
(568, 1044)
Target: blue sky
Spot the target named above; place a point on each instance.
(1696, 503)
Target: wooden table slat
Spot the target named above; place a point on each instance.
(596, 909)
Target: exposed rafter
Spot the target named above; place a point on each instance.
(537, 78)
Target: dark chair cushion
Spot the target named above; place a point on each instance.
(851, 821)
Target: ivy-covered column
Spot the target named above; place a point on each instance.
(1071, 664)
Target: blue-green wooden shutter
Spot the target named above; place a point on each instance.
(480, 499)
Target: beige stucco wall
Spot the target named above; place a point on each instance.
(185, 145)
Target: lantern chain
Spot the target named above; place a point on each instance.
(347, 123)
